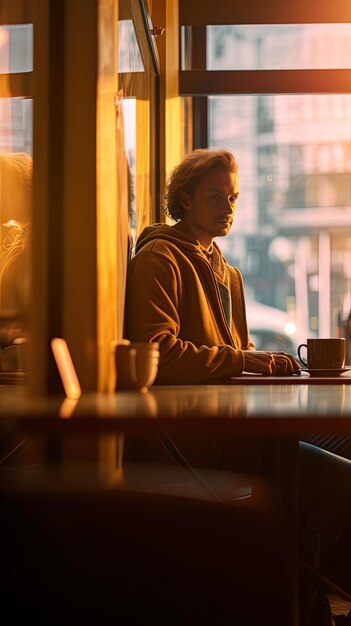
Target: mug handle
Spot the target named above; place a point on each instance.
(302, 345)
(132, 365)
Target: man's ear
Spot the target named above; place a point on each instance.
(185, 200)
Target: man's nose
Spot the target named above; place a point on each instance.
(229, 206)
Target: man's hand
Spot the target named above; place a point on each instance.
(270, 363)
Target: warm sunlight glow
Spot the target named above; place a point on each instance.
(4, 37)
(66, 369)
(67, 407)
(290, 328)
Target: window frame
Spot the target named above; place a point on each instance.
(19, 85)
(199, 83)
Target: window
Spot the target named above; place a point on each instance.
(273, 46)
(138, 74)
(279, 95)
(16, 48)
(16, 139)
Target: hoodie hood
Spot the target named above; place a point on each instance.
(185, 242)
(170, 233)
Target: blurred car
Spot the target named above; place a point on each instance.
(274, 330)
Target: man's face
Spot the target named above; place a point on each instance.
(210, 210)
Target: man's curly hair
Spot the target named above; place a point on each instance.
(187, 175)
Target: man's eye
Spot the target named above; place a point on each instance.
(215, 196)
(233, 199)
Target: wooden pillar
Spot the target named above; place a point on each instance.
(74, 189)
(165, 14)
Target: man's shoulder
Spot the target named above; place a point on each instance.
(163, 247)
(233, 269)
(236, 280)
(235, 273)
(158, 255)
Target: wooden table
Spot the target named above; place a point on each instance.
(289, 407)
(281, 413)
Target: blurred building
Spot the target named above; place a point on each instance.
(293, 230)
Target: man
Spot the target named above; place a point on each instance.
(181, 291)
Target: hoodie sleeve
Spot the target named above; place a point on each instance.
(152, 314)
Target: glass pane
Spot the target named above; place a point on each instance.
(16, 125)
(129, 118)
(129, 57)
(16, 49)
(15, 230)
(273, 47)
(292, 231)
(136, 80)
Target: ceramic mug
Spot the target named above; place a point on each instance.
(136, 365)
(324, 353)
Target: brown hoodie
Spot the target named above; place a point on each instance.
(173, 298)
